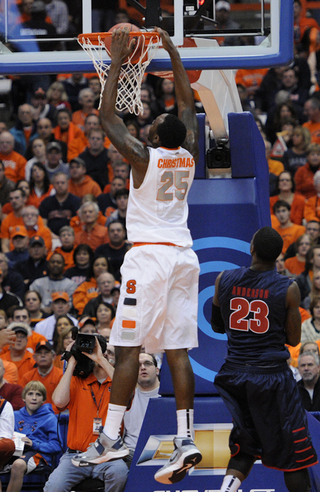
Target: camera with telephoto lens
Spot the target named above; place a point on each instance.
(84, 343)
(219, 156)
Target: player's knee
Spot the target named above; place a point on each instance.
(298, 481)
(241, 462)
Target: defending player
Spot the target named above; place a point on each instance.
(159, 291)
(258, 309)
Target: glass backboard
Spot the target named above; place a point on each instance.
(261, 36)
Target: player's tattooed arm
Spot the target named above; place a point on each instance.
(184, 96)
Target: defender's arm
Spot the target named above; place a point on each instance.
(216, 318)
(293, 320)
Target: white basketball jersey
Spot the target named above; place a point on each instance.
(158, 210)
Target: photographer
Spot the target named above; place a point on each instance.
(87, 399)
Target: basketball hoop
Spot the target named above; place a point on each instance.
(132, 70)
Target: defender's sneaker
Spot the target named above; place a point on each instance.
(104, 449)
(185, 456)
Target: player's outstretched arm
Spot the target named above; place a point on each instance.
(217, 323)
(184, 95)
(131, 148)
(293, 320)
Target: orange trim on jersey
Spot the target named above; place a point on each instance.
(301, 467)
(297, 430)
(306, 459)
(300, 440)
(163, 244)
(126, 323)
(303, 450)
(234, 454)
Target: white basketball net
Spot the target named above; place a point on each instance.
(131, 74)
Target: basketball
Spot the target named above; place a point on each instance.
(132, 28)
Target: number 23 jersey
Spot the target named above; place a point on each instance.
(158, 209)
(253, 308)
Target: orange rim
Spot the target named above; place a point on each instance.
(95, 37)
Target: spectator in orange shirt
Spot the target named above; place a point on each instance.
(86, 101)
(312, 111)
(296, 264)
(287, 230)
(20, 314)
(10, 391)
(45, 371)
(250, 78)
(7, 338)
(17, 199)
(76, 222)
(286, 192)
(275, 167)
(305, 174)
(312, 206)
(17, 353)
(89, 289)
(66, 236)
(30, 217)
(65, 129)
(92, 233)
(301, 22)
(78, 145)
(23, 185)
(14, 163)
(80, 183)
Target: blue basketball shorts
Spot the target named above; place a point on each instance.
(269, 421)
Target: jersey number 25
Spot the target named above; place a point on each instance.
(175, 178)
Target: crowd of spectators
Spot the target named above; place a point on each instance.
(64, 191)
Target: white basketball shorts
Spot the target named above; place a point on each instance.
(158, 299)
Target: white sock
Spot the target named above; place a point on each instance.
(230, 484)
(114, 419)
(185, 423)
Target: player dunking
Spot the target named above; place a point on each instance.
(159, 290)
(258, 309)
